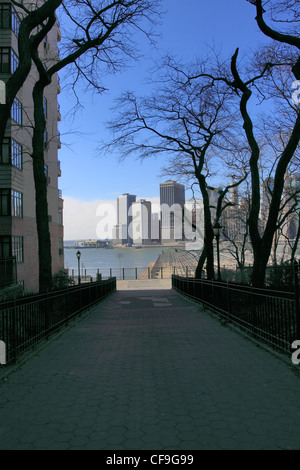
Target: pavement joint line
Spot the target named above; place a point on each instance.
(27, 355)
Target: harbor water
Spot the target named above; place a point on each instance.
(110, 261)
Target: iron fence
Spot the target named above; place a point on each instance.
(132, 273)
(271, 316)
(27, 321)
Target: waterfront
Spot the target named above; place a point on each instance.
(105, 259)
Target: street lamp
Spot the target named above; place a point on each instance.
(78, 254)
(217, 228)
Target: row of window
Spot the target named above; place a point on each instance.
(9, 18)
(9, 60)
(11, 153)
(11, 203)
(13, 246)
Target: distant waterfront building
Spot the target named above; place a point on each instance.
(194, 224)
(234, 196)
(172, 200)
(155, 228)
(121, 233)
(291, 197)
(141, 222)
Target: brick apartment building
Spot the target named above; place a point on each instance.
(18, 235)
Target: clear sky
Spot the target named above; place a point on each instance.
(187, 27)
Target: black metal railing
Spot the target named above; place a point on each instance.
(133, 273)
(271, 316)
(25, 322)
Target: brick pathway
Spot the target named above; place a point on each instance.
(151, 370)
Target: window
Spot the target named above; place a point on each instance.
(16, 111)
(4, 202)
(17, 248)
(60, 216)
(45, 107)
(4, 59)
(9, 60)
(16, 204)
(16, 154)
(11, 203)
(5, 154)
(9, 18)
(11, 153)
(45, 139)
(5, 247)
(14, 61)
(4, 16)
(15, 22)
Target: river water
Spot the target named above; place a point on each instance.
(110, 261)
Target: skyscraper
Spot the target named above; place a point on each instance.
(172, 200)
(124, 218)
(18, 234)
(141, 222)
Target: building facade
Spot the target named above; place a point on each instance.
(18, 234)
(172, 200)
(124, 219)
(141, 222)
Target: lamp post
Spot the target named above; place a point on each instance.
(217, 228)
(78, 254)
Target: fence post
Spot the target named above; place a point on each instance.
(136, 276)
(148, 272)
(13, 338)
(47, 314)
(161, 272)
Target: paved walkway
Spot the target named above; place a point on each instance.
(151, 370)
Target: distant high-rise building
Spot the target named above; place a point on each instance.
(291, 198)
(234, 196)
(141, 222)
(124, 218)
(172, 200)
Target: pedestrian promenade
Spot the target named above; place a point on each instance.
(149, 369)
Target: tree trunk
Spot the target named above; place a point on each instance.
(201, 261)
(40, 180)
(208, 230)
(259, 268)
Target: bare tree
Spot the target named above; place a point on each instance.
(99, 38)
(186, 121)
(286, 56)
(29, 18)
(100, 35)
(269, 78)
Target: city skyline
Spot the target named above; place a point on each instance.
(88, 180)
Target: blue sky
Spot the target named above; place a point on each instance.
(187, 28)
